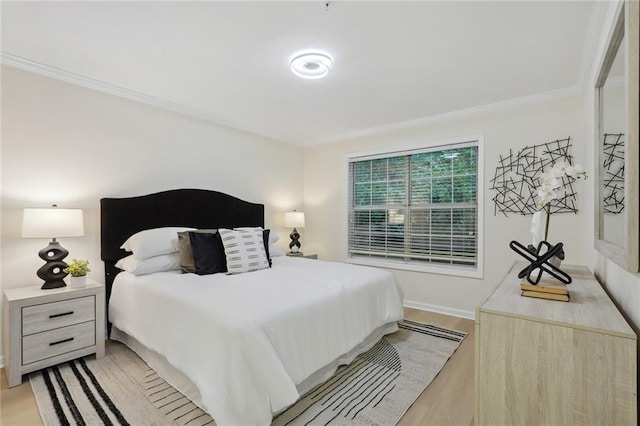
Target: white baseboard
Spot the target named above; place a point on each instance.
(460, 313)
(1, 361)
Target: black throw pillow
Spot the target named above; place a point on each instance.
(208, 253)
(265, 239)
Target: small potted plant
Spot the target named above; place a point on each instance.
(78, 269)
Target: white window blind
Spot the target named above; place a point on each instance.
(419, 207)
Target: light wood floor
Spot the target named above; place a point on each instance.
(447, 401)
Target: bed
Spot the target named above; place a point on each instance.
(245, 346)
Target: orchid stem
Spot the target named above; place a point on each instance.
(546, 226)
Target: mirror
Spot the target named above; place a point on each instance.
(612, 135)
(616, 215)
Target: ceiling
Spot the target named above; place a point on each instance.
(229, 61)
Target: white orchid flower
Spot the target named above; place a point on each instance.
(560, 167)
(546, 194)
(550, 181)
(557, 173)
(576, 172)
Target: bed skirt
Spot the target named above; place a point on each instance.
(182, 383)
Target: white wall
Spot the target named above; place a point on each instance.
(72, 146)
(325, 195)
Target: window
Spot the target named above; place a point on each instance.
(417, 209)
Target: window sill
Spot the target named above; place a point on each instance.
(462, 271)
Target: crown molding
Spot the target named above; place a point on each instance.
(464, 113)
(115, 90)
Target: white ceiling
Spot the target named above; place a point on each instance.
(229, 61)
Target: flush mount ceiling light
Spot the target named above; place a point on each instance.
(311, 65)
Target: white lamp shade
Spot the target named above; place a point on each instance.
(52, 223)
(294, 219)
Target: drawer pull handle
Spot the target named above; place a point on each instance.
(61, 315)
(61, 341)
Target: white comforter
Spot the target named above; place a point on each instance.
(247, 340)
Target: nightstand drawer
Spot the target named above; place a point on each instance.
(59, 341)
(48, 316)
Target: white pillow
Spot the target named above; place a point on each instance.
(275, 251)
(154, 242)
(244, 250)
(273, 238)
(164, 262)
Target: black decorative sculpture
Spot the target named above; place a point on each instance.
(294, 220)
(540, 262)
(295, 240)
(52, 272)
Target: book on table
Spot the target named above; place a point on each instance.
(546, 289)
(548, 296)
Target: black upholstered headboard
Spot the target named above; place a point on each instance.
(197, 208)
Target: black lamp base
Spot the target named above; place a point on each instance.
(48, 285)
(295, 240)
(52, 272)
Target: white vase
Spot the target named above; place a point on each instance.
(555, 261)
(78, 282)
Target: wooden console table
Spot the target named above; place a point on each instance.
(548, 362)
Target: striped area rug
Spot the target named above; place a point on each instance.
(379, 386)
(375, 389)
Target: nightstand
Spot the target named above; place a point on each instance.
(42, 328)
(306, 256)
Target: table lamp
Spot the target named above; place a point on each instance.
(294, 220)
(52, 223)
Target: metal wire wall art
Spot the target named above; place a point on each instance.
(517, 179)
